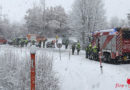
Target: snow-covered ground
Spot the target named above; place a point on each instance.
(79, 73)
(75, 72)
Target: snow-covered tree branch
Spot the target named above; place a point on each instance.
(87, 16)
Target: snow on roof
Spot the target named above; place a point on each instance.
(108, 30)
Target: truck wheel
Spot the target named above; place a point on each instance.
(115, 61)
(104, 57)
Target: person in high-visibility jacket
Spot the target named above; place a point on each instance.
(78, 48)
(66, 44)
(95, 49)
(87, 51)
(95, 53)
(39, 44)
(21, 41)
(73, 48)
(90, 51)
(33, 42)
(26, 42)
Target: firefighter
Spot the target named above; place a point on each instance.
(26, 42)
(39, 44)
(73, 49)
(78, 48)
(66, 44)
(33, 42)
(18, 43)
(43, 43)
(52, 42)
(95, 52)
(90, 51)
(22, 43)
(87, 51)
(14, 42)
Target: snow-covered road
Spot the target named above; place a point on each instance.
(79, 73)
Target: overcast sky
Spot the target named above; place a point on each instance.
(16, 9)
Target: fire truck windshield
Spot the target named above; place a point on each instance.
(126, 34)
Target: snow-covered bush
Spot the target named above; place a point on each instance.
(14, 69)
(45, 77)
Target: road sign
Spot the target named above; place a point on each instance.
(59, 45)
(57, 37)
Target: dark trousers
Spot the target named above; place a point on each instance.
(95, 56)
(78, 51)
(66, 46)
(90, 55)
(43, 44)
(73, 51)
(86, 54)
(26, 44)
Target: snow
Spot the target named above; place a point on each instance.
(73, 39)
(79, 73)
(75, 72)
(108, 30)
(14, 68)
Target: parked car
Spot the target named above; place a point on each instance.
(64, 40)
(50, 44)
(72, 42)
(3, 40)
(10, 42)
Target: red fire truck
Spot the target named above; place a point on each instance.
(113, 44)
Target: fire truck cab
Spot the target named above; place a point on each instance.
(114, 44)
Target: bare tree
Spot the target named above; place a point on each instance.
(55, 20)
(34, 20)
(87, 16)
(116, 22)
